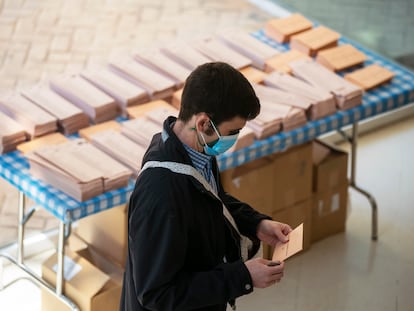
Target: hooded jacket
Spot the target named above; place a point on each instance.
(182, 252)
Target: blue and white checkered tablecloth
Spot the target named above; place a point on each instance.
(399, 92)
(14, 167)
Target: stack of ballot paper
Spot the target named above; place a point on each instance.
(158, 115)
(269, 120)
(159, 62)
(370, 76)
(347, 95)
(312, 41)
(35, 121)
(121, 148)
(125, 93)
(218, 51)
(78, 169)
(293, 117)
(46, 140)
(95, 103)
(281, 61)
(88, 132)
(176, 98)
(11, 134)
(283, 28)
(184, 54)
(140, 130)
(253, 75)
(70, 117)
(157, 85)
(341, 57)
(254, 49)
(317, 102)
(142, 110)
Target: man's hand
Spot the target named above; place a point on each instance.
(263, 273)
(271, 232)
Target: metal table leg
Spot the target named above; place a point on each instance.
(352, 182)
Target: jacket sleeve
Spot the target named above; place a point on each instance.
(158, 239)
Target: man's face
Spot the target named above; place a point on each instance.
(225, 128)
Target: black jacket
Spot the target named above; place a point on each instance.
(178, 237)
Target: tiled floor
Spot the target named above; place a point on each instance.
(346, 272)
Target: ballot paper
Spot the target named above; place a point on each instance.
(312, 41)
(34, 120)
(321, 102)
(50, 139)
(120, 148)
(341, 57)
(88, 132)
(295, 244)
(253, 75)
(156, 84)
(140, 130)
(70, 118)
(347, 94)
(125, 93)
(159, 62)
(184, 54)
(370, 76)
(95, 103)
(283, 28)
(142, 110)
(11, 134)
(215, 49)
(281, 61)
(244, 43)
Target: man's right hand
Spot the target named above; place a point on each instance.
(264, 275)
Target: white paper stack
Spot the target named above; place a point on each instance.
(254, 49)
(158, 115)
(158, 86)
(219, 51)
(34, 119)
(96, 104)
(347, 95)
(154, 59)
(185, 54)
(295, 116)
(269, 120)
(66, 171)
(70, 118)
(11, 134)
(121, 148)
(158, 105)
(125, 93)
(320, 103)
(140, 130)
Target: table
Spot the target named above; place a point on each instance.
(14, 167)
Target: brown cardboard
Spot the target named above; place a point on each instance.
(330, 166)
(294, 215)
(251, 183)
(329, 210)
(96, 285)
(107, 233)
(292, 176)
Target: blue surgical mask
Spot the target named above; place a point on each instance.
(221, 145)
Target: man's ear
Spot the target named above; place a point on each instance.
(203, 124)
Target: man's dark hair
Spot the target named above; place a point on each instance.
(221, 92)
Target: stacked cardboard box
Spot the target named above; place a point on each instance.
(330, 187)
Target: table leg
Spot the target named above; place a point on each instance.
(353, 140)
(20, 228)
(60, 258)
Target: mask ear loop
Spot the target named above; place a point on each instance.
(198, 137)
(215, 129)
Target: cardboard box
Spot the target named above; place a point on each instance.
(292, 176)
(107, 232)
(92, 282)
(330, 167)
(293, 216)
(329, 212)
(251, 183)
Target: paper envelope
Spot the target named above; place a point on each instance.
(285, 250)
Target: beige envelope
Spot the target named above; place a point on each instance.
(253, 75)
(314, 40)
(370, 76)
(281, 61)
(282, 29)
(285, 250)
(341, 57)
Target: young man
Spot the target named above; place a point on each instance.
(184, 249)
